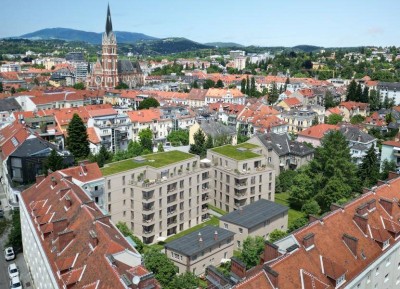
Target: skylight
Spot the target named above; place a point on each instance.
(14, 142)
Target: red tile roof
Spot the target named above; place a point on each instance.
(220, 92)
(392, 143)
(353, 105)
(84, 173)
(82, 232)
(92, 135)
(11, 137)
(317, 131)
(292, 102)
(145, 115)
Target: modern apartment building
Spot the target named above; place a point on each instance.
(158, 195)
(240, 176)
(201, 248)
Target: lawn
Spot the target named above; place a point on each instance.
(154, 160)
(282, 199)
(217, 210)
(247, 146)
(232, 152)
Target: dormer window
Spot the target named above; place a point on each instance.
(385, 244)
(340, 280)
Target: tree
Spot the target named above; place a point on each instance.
(35, 81)
(387, 166)
(77, 140)
(198, 148)
(102, 157)
(356, 119)
(15, 236)
(329, 102)
(219, 84)
(160, 148)
(1, 87)
(315, 121)
(122, 85)
(146, 139)
(79, 86)
(311, 208)
(298, 223)
(358, 94)
(54, 162)
(195, 84)
(134, 149)
(307, 64)
(301, 190)
(369, 168)
(273, 96)
(285, 180)
(178, 137)
(365, 95)
(148, 102)
(334, 118)
(276, 235)
(127, 233)
(208, 83)
(374, 100)
(248, 86)
(12, 90)
(251, 250)
(351, 91)
(389, 118)
(187, 280)
(209, 142)
(253, 90)
(243, 86)
(162, 267)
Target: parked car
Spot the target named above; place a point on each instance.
(15, 283)
(9, 254)
(13, 271)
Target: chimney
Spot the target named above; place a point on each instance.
(94, 240)
(215, 235)
(68, 178)
(365, 190)
(238, 268)
(312, 218)
(84, 168)
(362, 222)
(272, 276)
(380, 183)
(67, 201)
(53, 181)
(387, 205)
(335, 207)
(270, 252)
(59, 225)
(351, 242)
(64, 239)
(392, 175)
(308, 241)
(39, 179)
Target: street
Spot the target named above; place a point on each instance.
(19, 261)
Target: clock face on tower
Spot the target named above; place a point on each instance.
(98, 79)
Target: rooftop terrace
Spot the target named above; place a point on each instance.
(238, 152)
(154, 160)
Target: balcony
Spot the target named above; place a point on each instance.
(172, 221)
(148, 207)
(172, 199)
(148, 229)
(148, 220)
(240, 192)
(148, 195)
(204, 208)
(204, 197)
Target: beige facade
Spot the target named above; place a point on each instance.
(194, 252)
(157, 202)
(240, 176)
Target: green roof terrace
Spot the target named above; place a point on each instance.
(157, 160)
(238, 152)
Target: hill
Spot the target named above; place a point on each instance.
(166, 46)
(224, 44)
(79, 35)
(307, 48)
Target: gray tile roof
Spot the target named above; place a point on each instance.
(216, 129)
(254, 214)
(282, 145)
(9, 104)
(34, 147)
(354, 134)
(126, 66)
(189, 245)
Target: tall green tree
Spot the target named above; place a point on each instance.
(329, 101)
(369, 168)
(186, 280)
(253, 89)
(178, 137)
(1, 87)
(387, 166)
(146, 139)
(219, 84)
(276, 235)
(123, 228)
(301, 190)
(148, 102)
(77, 140)
(365, 95)
(195, 84)
(102, 157)
(243, 86)
(208, 83)
(351, 91)
(160, 148)
(334, 118)
(274, 94)
(248, 86)
(54, 162)
(163, 268)
(134, 149)
(199, 146)
(251, 250)
(374, 100)
(358, 94)
(209, 142)
(79, 86)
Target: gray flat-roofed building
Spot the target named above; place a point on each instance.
(195, 251)
(257, 219)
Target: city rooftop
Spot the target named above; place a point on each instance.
(154, 160)
(234, 152)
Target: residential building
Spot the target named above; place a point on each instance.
(7, 107)
(236, 53)
(314, 134)
(281, 152)
(158, 195)
(239, 62)
(256, 219)
(201, 248)
(69, 243)
(196, 97)
(352, 108)
(225, 95)
(301, 119)
(218, 131)
(290, 103)
(10, 67)
(50, 100)
(240, 176)
(391, 90)
(356, 245)
(391, 153)
(225, 112)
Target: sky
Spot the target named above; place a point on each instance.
(327, 23)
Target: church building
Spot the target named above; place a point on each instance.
(108, 71)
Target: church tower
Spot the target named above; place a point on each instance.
(109, 56)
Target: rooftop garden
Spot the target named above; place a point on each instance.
(154, 160)
(233, 152)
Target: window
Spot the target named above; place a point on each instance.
(377, 271)
(238, 244)
(340, 280)
(386, 277)
(225, 225)
(240, 230)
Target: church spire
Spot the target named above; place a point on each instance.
(108, 21)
